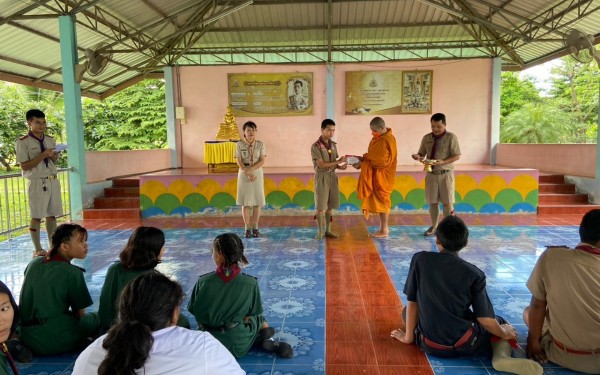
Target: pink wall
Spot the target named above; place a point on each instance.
(461, 89)
(581, 160)
(101, 165)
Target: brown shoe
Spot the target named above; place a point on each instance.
(247, 234)
(255, 233)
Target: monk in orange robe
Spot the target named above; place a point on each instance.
(377, 175)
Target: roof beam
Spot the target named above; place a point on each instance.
(325, 27)
(22, 12)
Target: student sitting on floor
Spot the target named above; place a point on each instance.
(142, 254)
(145, 339)
(227, 303)
(54, 297)
(449, 313)
(9, 317)
(564, 313)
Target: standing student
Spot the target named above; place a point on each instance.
(54, 297)
(146, 340)
(143, 252)
(325, 162)
(250, 155)
(449, 313)
(227, 303)
(442, 147)
(37, 157)
(9, 318)
(377, 175)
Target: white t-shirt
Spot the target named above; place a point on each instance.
(176, 351)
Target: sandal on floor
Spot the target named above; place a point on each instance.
(282, 349)
(255, 233)
(429, 232)
(247, 234)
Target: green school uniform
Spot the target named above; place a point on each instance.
(117, 277)
(4, 366)
(215, 303)
(52, 291)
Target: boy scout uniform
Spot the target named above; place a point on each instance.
(326, 181)
(44, 188)
(439, 183)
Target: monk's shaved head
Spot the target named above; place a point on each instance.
(378, 123)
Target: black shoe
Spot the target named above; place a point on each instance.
(18, 351)
(265, 334)
(282, 349)
(247, 234)
(255, 233)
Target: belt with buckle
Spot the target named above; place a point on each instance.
(441, 171)
(34, 322)
(463, 340)
(50, 177)
(564, 348)
(221, 328)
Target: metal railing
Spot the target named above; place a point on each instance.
(14, 202)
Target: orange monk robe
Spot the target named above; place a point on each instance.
(377, 174)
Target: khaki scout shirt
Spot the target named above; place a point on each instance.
(28, 148)
(447, 147)
(320, 151)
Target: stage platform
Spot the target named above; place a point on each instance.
(481, 189)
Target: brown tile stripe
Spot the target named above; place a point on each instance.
(362, 309)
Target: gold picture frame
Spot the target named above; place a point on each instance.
(416, 91)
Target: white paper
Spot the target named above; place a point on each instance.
(353, 160)
(60, 147)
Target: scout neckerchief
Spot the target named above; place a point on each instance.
(42, 147)
(250, 149)
(327, 146)
(588, 249)
(436, 139)
(11, 361)
(228, 273)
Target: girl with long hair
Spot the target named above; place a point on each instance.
(9, 318)
(145, 339)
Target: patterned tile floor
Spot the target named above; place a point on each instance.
(293, 268)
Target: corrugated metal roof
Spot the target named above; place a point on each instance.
(146, 35)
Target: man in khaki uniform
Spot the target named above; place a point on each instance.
(37, 156)
(327, 194)
(441, 146)
(563, 316)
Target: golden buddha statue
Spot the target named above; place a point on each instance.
(228, 130)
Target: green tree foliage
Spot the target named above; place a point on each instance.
(515, 92)
(132, 119)
(539, 123)
(575, 87)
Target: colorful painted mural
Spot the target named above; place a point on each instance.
(492, 192)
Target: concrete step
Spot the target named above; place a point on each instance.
(122, 192)
(126, 182)
(563, 198)
(111, 213)
(116, 202)
(562, 209)
(551, 178)
(557, 188)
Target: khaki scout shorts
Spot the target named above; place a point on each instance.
(44, 203)
(439, 188)
(327, 192)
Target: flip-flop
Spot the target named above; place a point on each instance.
(429, 232)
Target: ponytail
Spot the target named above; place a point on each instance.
(146, 305)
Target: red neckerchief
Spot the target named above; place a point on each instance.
(42, 147)
(436, 139)
(327, 146)
(10, 359)
(56, 258)
(228, 273)
(588, 248)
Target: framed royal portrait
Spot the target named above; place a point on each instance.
(416, 91)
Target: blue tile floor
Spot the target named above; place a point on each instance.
(290, 266)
